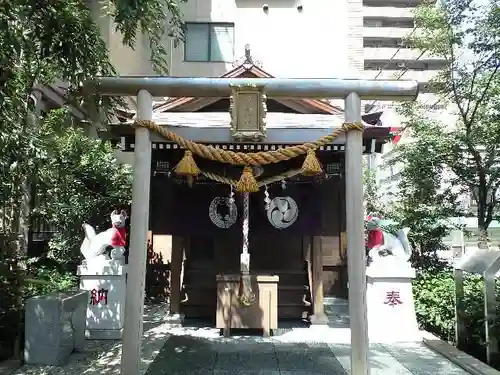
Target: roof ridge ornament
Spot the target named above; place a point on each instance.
(247, 61)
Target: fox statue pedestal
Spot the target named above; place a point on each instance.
(105, 278)
(391, 308)
(106, 282)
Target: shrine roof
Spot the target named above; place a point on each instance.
(273, 119)
(247, 69)
(282, 128)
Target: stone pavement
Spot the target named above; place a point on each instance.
(185, 354)
(171, 349)
(197, 349)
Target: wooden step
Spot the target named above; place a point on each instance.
(204, 279)
(196, 296)
(199, 312)
(290, 296)
(199, 276)
(292, 278)
(208, 295)
(293, 287)
(290, 311)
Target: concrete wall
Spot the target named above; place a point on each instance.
(126, 60)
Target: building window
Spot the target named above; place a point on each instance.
(209, 42)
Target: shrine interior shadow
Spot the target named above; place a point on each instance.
(157, 277)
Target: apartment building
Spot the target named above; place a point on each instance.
(289, 38)
(386, 55)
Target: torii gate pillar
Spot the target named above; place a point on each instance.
(356, 255)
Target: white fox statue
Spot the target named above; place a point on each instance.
(94, 245)
(386, 245)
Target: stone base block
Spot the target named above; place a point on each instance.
(319, 319)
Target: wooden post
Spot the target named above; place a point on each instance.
(319, 316)
(134, 305)
(176, 264)
(356, 258)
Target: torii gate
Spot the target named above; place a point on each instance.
(351, 90)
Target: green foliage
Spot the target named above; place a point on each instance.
(45, 41)
(434, 292)
(467, 34)
(424, 204)
(45, 280)
(17, 284)
(370, 194)
(92, 185)
(42, 43)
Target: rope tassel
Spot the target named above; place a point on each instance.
(311, 165)
(187, 166)
(247, 182)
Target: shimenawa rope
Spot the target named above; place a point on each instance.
(247, 183)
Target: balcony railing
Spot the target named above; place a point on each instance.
(387, 12)
(386, 32)
(378, 54)
(417, 75)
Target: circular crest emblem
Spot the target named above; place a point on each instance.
(222, 212)
(282, 212)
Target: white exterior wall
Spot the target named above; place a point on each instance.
(285, 40)
(127, 61)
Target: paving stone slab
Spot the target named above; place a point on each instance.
(252, 357)
(381, 361)
(184, 355)
(307, 358)
(421, 360)
(247, 372)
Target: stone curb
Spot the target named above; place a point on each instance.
(467, 362)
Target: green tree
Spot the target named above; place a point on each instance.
(423, 203)
(370, 192)
(44, 42)
(467, 34)
(93, 184)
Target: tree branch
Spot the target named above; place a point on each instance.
(485, 92)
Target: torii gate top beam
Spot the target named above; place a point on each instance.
(317, 88)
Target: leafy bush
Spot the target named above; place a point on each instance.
(434, 292)
(16, 285)
(79, 181)
(49, 280)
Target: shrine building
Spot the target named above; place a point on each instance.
(295, 223)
